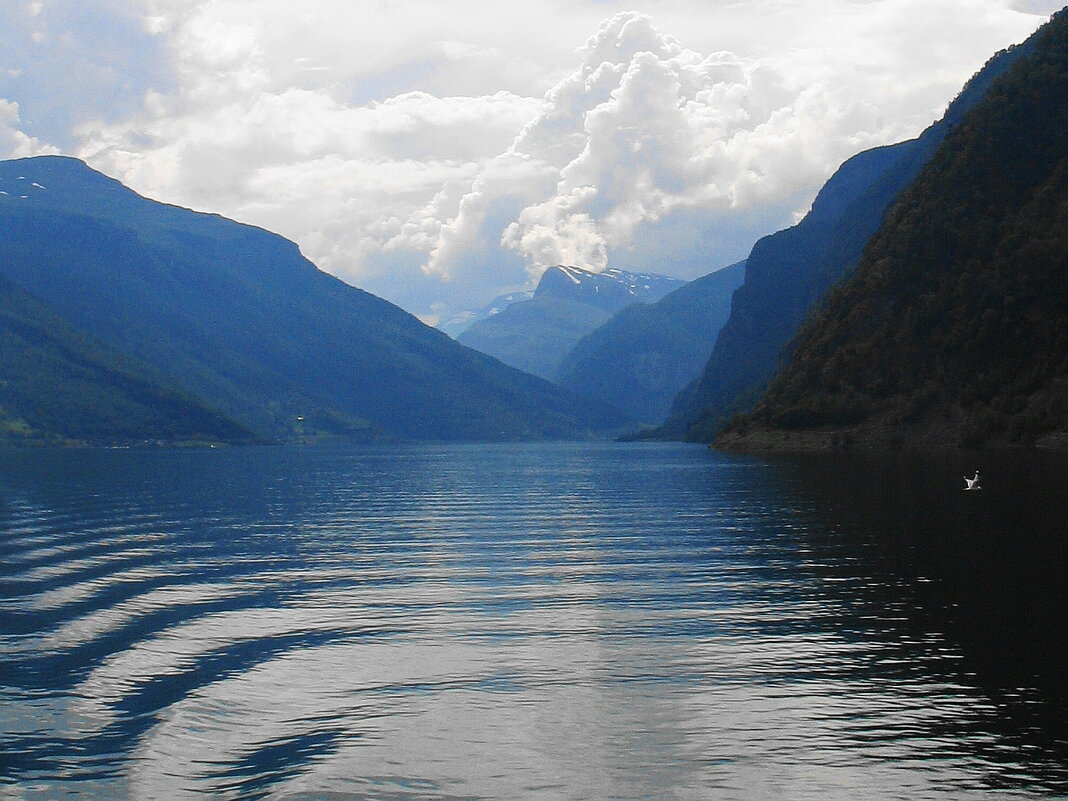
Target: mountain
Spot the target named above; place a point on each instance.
(458, 323)
(235, 316)
(568, 303)
(59, 385)
(644, 355)
(953, 330)
(789, 271)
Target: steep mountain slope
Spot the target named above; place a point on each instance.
(535, 335)
(56, 384)
(641, 358)
(787, 272)
(954, 328)
(235, 315)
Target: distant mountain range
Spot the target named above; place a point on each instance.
(788, 272)
(535, 335)
(643, 356)
(229, 329)
(457, 324)
(953, 330)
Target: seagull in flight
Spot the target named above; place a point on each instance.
(972, 483)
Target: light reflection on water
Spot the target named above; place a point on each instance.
(576, 621)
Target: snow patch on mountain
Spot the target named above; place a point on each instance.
(610, 289)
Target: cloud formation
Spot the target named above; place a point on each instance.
(14, 143)
(438, 156)
(650, 142)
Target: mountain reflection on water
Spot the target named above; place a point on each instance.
(981, 572)
(564, 621)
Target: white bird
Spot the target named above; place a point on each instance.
(972, 483)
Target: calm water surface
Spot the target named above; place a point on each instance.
(577, 621)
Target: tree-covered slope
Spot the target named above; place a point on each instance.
(235, 315)
(954, 328)
(789, 271)
(536, 335)
(644, 355)
(57, 384)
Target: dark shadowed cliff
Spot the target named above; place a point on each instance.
(789, 271)
(954, 328)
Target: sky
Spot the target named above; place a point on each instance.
(441, 152)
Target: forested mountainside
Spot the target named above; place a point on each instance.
(236, 317)
(644, 355)
(954, 328)
(789, 271)
(58, 385)
(536, 335)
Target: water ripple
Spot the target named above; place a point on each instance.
(538, 621)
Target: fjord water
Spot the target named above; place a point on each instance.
(543, 621)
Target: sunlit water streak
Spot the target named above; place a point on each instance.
(592, 621)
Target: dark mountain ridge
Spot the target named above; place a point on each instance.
(954, 328)
(789, 271)
(234, 315)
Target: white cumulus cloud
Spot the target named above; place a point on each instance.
(438, 154)
(652, 155)
(14, 143)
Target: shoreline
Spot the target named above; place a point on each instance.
(869, 441)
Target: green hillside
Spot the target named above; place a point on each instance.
(788, 272)
(59, 385)
(234, 315)
(954, 328)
